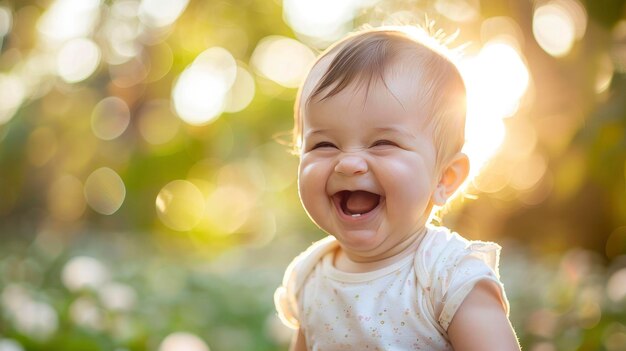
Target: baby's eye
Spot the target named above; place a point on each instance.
(384, 143)
(323, 144)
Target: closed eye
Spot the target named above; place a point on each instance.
(323, 144)
(383, 143)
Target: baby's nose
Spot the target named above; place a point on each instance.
(351, 165)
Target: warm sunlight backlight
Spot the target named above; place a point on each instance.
(496, 80)
(199, 93)
(282, 60)
(460, 11)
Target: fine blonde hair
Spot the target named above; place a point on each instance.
(365, 56)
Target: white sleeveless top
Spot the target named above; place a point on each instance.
(405, 306)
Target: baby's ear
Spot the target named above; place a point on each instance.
(452, 176)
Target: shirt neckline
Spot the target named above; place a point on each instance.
(348, 277)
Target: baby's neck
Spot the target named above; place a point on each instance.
(343, 261)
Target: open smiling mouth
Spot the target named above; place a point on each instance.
(356, 203)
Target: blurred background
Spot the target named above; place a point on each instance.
(148, 203)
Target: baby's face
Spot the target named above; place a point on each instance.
(367, 166)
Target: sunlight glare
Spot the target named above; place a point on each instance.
(282, 60)
(459, 10)
(496, 80)
(502, 28)
(199, 93)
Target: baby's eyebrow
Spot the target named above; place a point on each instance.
(315, 131)
(394, 129)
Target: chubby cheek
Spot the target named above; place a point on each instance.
(312, 186)
(409, 187)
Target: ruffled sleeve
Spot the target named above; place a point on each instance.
(453, 266)
(285, 297)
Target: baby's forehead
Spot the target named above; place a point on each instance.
(404, 79)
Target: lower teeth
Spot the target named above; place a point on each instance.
(356, 215)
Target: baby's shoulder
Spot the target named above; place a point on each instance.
(303, 264)
(442, 250)
(295, 276)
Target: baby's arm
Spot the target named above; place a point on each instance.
(480, 323)
(298, 343)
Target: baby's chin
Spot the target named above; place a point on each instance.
(363, 243)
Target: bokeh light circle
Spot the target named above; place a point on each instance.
(282, 60)
(6, 21)
(110, 118)
(183, 341)
(200, 91)
(86, 313)
(82, 272)
(10, 345)
(105, 191)
(180, 205)
(77, 60)
(67, 19)
(323, 19)
(616, 286)
(228, 208)
(13, 92)
(241, 93)
(159, 13)
(554, 29)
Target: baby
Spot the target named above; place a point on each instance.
(379, 127)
